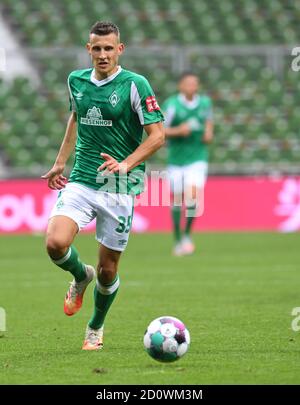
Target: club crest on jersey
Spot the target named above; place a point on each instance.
(94, 117)
(114, 99)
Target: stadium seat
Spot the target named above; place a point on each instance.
(255, 105)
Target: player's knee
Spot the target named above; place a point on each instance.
(56, 247)
(107, 271)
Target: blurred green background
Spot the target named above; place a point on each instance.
(242, 55)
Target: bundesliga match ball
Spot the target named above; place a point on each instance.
(166, 339)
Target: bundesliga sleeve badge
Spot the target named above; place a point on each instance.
(152, 104)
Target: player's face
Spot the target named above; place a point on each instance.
(189, 86)
(105, 51)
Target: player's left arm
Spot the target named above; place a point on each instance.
(209, 124)
(208, 132)
(154, 141)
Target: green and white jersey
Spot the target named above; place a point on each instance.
(186, 150)
(111, 114)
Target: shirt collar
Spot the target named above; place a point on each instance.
(104, 81)
(189, 103)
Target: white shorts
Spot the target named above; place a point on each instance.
(181, 177)
(113, 213)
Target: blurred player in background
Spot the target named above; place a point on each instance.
(110, 107)
(189, 128)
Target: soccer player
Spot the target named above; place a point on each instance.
(189, 129)
(110, 107)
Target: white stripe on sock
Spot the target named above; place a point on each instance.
(63, 259)
(108, 290)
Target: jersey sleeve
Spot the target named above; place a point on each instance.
(143, 102)
(72, 105)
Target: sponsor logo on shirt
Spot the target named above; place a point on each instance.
(152, 104)
(94, 117)
(194, 124)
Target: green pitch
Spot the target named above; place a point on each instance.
(235, 295)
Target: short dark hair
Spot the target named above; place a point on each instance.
(105, 28)
(186, 74)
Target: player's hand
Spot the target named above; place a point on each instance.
(111, 165)
(184, 129)
(56, 180)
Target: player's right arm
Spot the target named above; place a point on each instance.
(56, 180)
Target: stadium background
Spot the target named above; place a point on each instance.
(243, 58)
(240, 332)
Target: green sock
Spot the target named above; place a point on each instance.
(103, 296)
(176, 214)
(190, 216)
(71, 262)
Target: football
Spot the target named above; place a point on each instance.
(166, 339)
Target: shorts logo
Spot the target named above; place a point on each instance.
(59, 204)
(152, 104)
(94, 117)
(2, 321)
(122, 242)
(114, 99)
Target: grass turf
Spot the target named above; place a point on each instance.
(235, 295)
